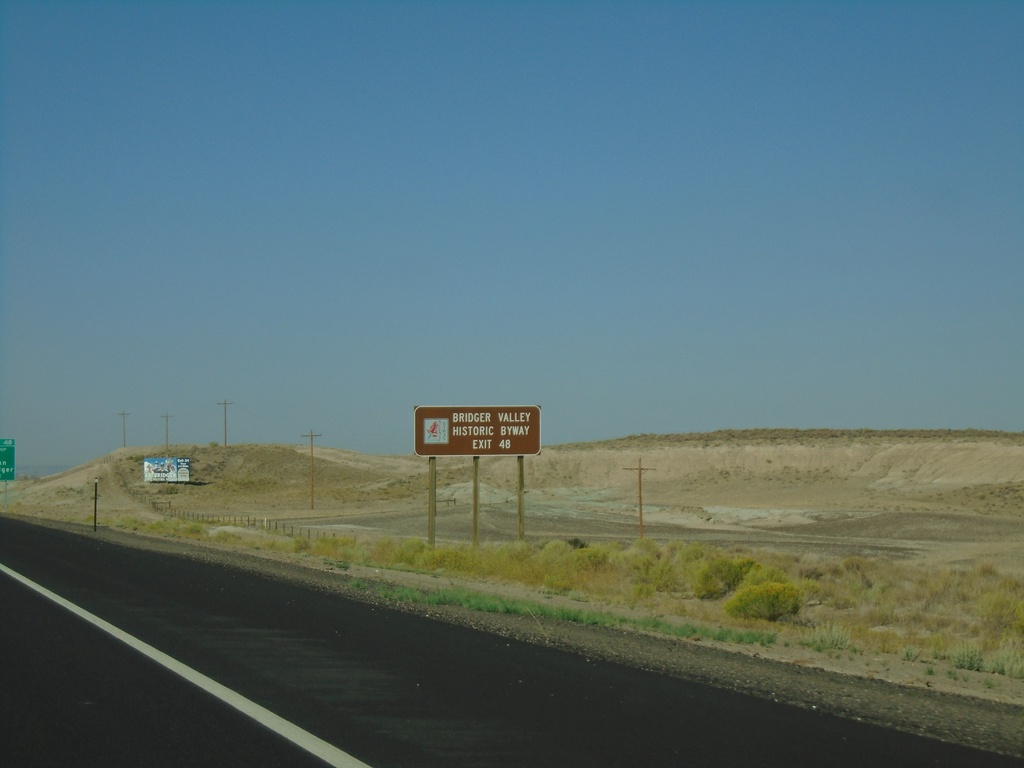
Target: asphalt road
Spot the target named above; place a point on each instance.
(386, 687)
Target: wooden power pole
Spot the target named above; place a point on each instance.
(311, 436)
(124, 431)
(640, 469)
(167, 418)
(225, 403)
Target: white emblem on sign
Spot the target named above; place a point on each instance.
(435, 431)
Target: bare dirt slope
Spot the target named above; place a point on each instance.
(929, 496)
(948, 499)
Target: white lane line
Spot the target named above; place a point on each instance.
(301, 738)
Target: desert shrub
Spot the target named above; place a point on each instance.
(227, 537)
(684, 552)
(649, 547)
(1018, 624)
(1007, 661)
(769, 600)
(720, 575)
(856, 564)
(555, 552)
(966, 656)
(340, 548)
(555, 561)
(652, 575)
(454, 559)
(881, 615)
(812, 573)
(410, 550)
(706, 585)
(638, 565)
(761, 574)
(859, 567)
(518, 551)
(384, 551)
(811, 589)
(830, 637)
(997, 611)
(513, 562)
(559, 581)
(591, 558)
(987, 570)
(910, 653)
(886, 641)
(951, 587)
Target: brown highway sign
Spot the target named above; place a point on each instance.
(477, 430)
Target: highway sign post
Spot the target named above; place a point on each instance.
(7, 466)
(506, 430)
(6, 459)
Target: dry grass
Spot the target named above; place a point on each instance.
(971, 618)
(932, 496)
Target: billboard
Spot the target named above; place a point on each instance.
(477, 430)
(166, 470)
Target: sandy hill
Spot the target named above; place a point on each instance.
(961, 471)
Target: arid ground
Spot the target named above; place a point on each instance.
(932, 500)
(929, 497)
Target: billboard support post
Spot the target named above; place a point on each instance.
(432, 499)
(476, 501)
(520, 502)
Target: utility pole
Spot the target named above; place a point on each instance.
(640, 469)
(124, 433)
(225, 403)
(311, 436)
(167, 443)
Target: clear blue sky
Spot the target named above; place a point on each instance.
(643, 217)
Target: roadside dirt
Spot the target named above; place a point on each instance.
(931, 499)
(788, 677)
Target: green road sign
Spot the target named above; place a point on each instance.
(6, 459)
